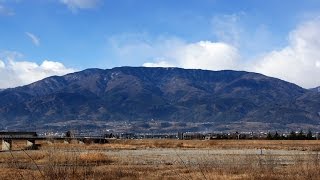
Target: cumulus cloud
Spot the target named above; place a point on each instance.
(16, 73)
(35, 40)
(173, 52)
(75, 5)
(201, 55)
(299, 61)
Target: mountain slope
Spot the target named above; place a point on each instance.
(143, 97)
(316, 89)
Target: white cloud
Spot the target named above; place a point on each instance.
(2, 65)
(200, 55)
(159, 64)
(136, 49)
(35, 40)
(173, 52)
(5, 11)
(228, 28)
(74, 5)
(299, 61)
(10, 55)
(16, 73)
(232, 29)
(208, 55)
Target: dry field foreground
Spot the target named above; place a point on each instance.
(166, 159)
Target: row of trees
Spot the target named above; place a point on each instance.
(292, 136)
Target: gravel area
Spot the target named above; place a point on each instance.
(209, 156)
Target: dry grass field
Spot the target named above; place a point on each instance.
(165, 159)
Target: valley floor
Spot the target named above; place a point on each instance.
(166, 159)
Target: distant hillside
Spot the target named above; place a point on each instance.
(160, 99)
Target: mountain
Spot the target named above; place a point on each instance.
(144, 99)
(316, 89)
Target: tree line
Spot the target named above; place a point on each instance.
(292, 136)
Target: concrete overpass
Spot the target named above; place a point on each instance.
(30, 138)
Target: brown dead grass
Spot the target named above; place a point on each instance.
(81, 161)
(304, 145)
(98, 158)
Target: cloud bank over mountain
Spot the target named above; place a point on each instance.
(201, 55)
(297, 62)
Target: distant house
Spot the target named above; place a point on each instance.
(210, 136)
(180, 135)
(127, 136)
(189, 136)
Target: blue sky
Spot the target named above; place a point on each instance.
(40, 38)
